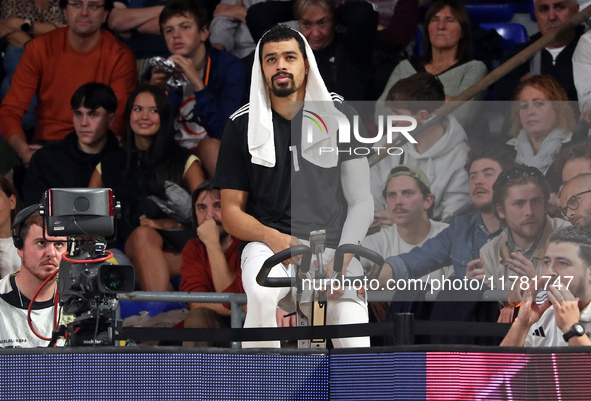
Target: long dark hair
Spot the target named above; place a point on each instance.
(459, 12)
(161, 158)
(8, 189)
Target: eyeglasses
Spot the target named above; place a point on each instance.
(572, 203)
(92, 5)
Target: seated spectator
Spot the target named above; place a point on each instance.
(55, 65)
(520, 196)
(447, 56)
(136, 24)
(581, 61)
(342, 38)
(564, 317)
(210, 263)
(143, 177)
(214, 88)
(23, 20)
(542, 122)
(459, 243)
(70, 162)
(40, 258)
(398, 21)
(409, 200)
(10, 261)
(575, 201)
(228, 30)
(573, 160)
(556, 59)
(440, 152)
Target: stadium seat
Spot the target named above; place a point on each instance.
(419, 47)
(490, 13)
(511, 33)
(521, 7)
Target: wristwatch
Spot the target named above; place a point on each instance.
(576, 330)
(28, 26)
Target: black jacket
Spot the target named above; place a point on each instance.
(62, 165)
(562, 70)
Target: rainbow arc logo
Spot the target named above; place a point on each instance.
(318, 120)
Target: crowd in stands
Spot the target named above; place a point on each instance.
(141, 95)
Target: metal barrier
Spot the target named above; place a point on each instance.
(235, 300)
(403, 328)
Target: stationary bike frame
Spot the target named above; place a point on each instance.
(319, 297)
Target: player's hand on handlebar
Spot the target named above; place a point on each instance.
(285, 319)
(280, 242)
(338, 292)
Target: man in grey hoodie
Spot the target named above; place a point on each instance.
(440, 152)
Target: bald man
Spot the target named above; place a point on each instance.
(575, 201)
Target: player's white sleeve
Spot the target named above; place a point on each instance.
(356, 188)
(582, 71)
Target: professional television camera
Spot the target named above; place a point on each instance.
(87, 284)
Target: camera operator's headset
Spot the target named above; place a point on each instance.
(20, 218)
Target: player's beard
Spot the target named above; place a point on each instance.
(286, 89)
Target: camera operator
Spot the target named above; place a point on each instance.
(39, 259)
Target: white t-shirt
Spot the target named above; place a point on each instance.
(9, 259)
(555, 52)
(188, 133)
(14, 329)
(387, 243)
(545, 333)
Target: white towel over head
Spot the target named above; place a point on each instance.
(261, 142)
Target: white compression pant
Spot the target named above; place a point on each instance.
(263, 301)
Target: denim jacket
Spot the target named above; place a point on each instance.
(457, 245)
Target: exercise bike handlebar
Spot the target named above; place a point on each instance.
(263, 278)
(358, 250)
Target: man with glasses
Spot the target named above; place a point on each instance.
(575, 200)
(520, 196)
(573, 160)
(56, 64)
